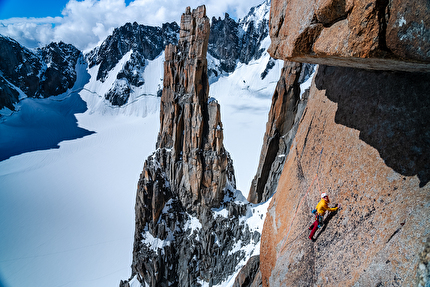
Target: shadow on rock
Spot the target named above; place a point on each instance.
(391, 111)
(326, 222)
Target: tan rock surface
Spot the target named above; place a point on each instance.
(190, 125)
(285, 112)
(373, 129)
(352, 33)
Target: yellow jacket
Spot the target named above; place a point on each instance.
(322, 207)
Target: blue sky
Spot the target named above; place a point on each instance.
(31, 8)
(28, 8)
(85, 23)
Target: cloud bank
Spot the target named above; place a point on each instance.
(87, 23)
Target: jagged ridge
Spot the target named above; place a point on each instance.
(48, 71)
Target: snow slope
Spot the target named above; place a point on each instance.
(43, 123)
(67, 214)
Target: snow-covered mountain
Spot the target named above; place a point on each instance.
(134, 46)
(114, 102)
(234, 42)
(45, 72)
(128, 65)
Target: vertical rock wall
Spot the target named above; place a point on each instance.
(373, 129)
(370, 119)
(284, 115)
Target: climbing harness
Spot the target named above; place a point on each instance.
(284, 241)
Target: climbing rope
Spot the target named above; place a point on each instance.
(284, 241)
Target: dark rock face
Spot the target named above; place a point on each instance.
(145, 42)
(8, 94)
(248, 273)
(179, 250)
(189, 220)
(255, 28)
(20, 67)
(284, 116)
(224, 42)
(49, 71)
(232, 42)
(60, 73)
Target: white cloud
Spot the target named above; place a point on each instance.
(86, 23)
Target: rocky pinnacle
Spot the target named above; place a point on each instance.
(191, 123)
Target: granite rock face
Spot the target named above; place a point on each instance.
(369, 34)
(284, 115)
(363, 138)
(189, 217)
(372, 128)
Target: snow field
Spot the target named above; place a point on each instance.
(68, 213)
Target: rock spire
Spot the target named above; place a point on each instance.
(178, 238)
(191, 122)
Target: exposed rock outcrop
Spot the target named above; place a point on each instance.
(191, 123)
(370, 34)
(143, 42)
(249, 274)
(364, 132)
(190, 225)
(284, 115)
(373, 129)
(45, 72)
(147, 42)
(234, 42)
(224, 42)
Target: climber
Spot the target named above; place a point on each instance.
(320, 210)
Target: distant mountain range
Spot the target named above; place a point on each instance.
(50, 71)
